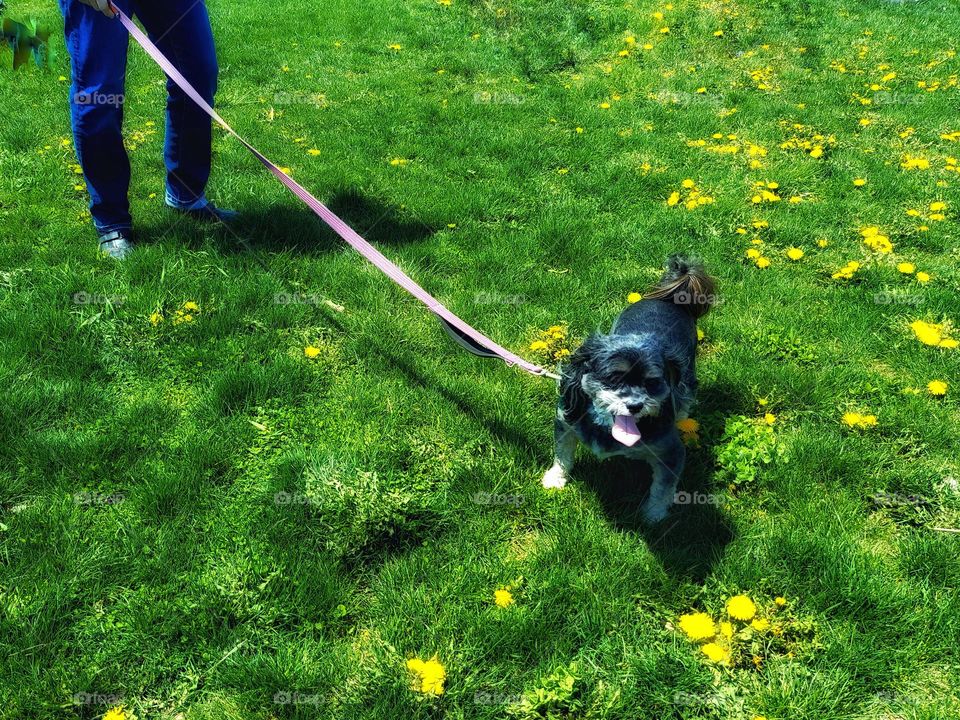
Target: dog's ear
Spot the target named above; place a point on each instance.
(574, 402)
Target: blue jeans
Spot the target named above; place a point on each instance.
(98, 51)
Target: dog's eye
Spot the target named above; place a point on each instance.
(654, 385)
(633, 377)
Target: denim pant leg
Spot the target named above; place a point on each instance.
(181, 30)
(98, 58)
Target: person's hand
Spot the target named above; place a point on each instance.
(101, 5)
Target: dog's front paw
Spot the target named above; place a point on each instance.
(654, 512)
(555, 478)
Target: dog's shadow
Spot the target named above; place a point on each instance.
(692, 538)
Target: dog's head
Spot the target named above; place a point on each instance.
(627, 376)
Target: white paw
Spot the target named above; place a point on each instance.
(554, 478)
(654, 512)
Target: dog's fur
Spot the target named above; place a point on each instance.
(645, 368)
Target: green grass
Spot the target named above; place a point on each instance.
(196, 517)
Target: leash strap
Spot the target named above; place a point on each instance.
(469, 338)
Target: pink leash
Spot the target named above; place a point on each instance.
(464, 334)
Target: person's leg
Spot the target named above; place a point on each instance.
(181, 30)
(98, 54)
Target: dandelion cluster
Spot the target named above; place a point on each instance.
(552, 343)
(847, 271)
(859, 421)
(744, 634)
(876, 240)
(765, 192)
(731, 144)
(933, 334)
(186, 313)
(690, 196)
(808, 141)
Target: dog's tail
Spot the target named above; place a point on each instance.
(687, 284)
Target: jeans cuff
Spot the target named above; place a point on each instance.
(104, 229)
(199, 203)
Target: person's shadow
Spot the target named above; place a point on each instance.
(291, 227)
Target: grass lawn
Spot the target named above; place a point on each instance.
(199, 521)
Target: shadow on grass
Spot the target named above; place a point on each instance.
(291, 227)
(692, 538)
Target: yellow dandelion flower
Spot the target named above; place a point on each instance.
(715, 653)
(780, 600)
(859, 182)
(697, 626)
(794, 253)
(688, 425)
(503, 598)
(760, 624)
(763, 262)
(859, 421)
(769, 418)
(428, 676)
(741, 607)
(923, 278)
(726, 629)
(937, 388)
(927, 333)
(907, 268)
(538, 345)
(311, 351)
(156, 319)
(634, 297)
(116, 713)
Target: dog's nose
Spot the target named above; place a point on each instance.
(634, 409)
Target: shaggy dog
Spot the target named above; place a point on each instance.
(623, 393)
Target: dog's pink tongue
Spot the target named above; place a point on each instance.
(625, 430)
